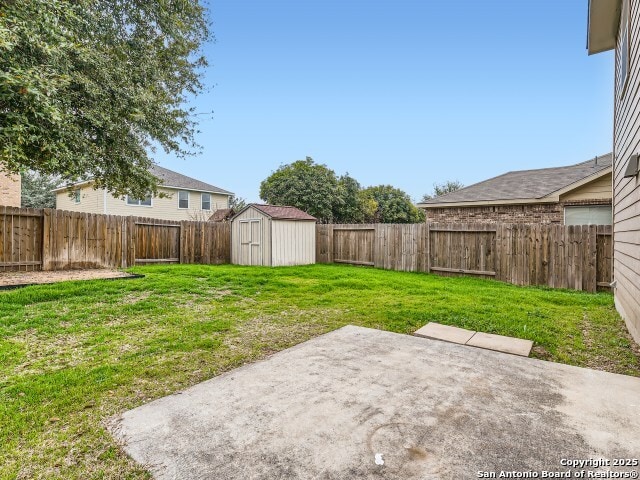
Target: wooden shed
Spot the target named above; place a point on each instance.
(273, 235)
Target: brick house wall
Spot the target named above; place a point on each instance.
(528, 213)
(10, 190)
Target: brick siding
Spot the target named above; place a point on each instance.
(10, 190)
(530, 213)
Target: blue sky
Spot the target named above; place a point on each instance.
(400, 92)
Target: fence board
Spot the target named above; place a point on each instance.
(604, 256)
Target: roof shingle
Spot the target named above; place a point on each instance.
(525, 184)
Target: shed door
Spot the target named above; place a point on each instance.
(250, 247)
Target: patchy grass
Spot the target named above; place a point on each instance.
(74, 354)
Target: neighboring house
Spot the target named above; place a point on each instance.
(577, 194)
(615, 24)
(10, 190)
(187, 199)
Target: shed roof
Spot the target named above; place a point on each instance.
(281, 212)
(222, 214)
(527, 185)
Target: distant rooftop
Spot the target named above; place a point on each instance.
(525, 184)
(170, 178)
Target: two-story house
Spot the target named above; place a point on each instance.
(184, 198)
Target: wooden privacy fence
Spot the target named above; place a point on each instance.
(559, 256)
(577, 257)
(49, 239)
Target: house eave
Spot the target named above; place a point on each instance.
(72, 185)
(229, 194)
(483, 203)
(602, 27)
(580, 183)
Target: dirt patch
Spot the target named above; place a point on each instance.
(134, 298)
(12, 279)
(267, 334)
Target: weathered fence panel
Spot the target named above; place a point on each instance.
(324, 243)
(205, 242)
(462, 249)
(156, 241)
(604, 256)
(353, 244)
(21, 242)
(60, 240)
(74, 240)
(575, 257)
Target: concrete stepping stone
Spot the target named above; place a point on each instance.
(500, 343)
(489, 341)
(445, 332)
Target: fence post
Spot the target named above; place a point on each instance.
(428, 249)
(181, 242)
(592, 259)
(46, 239)
(498, 252)
(123, 242)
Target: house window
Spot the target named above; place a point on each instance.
(206, 201)
(588, 215)
(183, 199)
(76, 195)
(145, 202)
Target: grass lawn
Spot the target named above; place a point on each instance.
(76, 353)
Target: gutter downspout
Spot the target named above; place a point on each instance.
(104, 201)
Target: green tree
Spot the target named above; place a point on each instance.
(369, 207)
(237, 203)
(393, 205)
(307, 185)
(352, 207)
(89, 87)
(37, 190)
(442, 189)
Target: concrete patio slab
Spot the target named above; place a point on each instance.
(365, 404)
(446, 333)
(499, 343)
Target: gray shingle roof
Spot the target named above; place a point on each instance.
(170, 178)
(525, 184)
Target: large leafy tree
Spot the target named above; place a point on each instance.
(304, 184)
(393, 205)
(89, 87)
(37, 190)
(353, 206)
